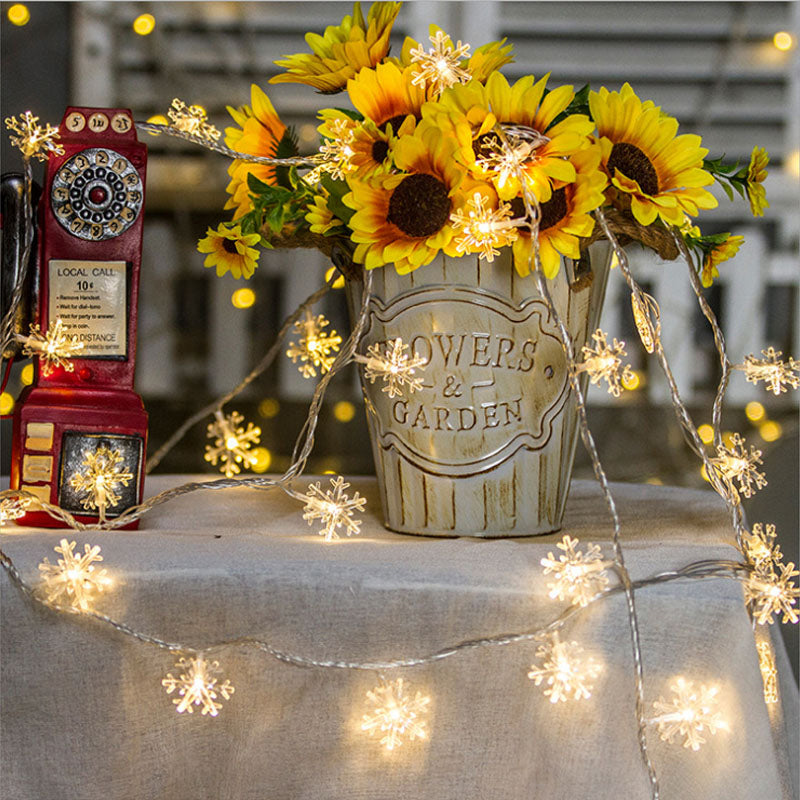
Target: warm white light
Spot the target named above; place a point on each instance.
(690, 714)
(770, 431)
(6, 403)
(316, 347)
(482, 229)
(395, 714)
(738, 469)
(783, 41)
(97, 482)
(602, 362)
(232, 442)
(778, 375)
(394, 366)
(54, 348)
(771, 592)
(565, 670)
(344, 411)
(243, 298)
(441, 65)
(144, 24)
(74, 580)
(769, 671)
(334, 508)
(192, 120)
(18, 14)
(269, 407)
(197, 686)
(754, 411)
(12, 508)
(706, 433)
(578, 575)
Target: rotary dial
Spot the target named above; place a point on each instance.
(97, 194)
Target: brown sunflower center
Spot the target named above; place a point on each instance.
(553, 211)
(395, 121)
(419, 206)
(633, 164)
(229, 246)
(380, 150)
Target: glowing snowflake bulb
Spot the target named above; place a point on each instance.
(690, 714)
(778, 375)
(483, 229)
(74, 580)
(32, 140)
(565, 670)
(232, 442)
(394, 366)
(54, 348)
(770, 592)
(603, 363)
(334, 508)
(192, 120)
(102, 473)
(198, 686)
(395, 714)
(316, 347)
(578, 575)
(441, 65)
(12, 508)
(738, 469)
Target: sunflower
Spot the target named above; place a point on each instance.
(756, 173)
(320, 217)
(260, 133)
(230, 250)
(716, 255)
(645, 159)
(565, 218)
(386, 96)
(343, 50)
(405, 217)
(542, 149)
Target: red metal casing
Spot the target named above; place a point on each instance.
(64, 411)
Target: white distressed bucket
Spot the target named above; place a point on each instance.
(485, 447)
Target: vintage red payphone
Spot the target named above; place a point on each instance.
(80, 433)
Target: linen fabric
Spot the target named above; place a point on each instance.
(85, 717)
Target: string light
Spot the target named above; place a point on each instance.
(759, 545)
(231, 442)
(647, 316)
(197, 686)
(483, 228)
(769, 591)
(579, 575)
(73, 580)
(96, 485)
(334, 508)
(12, 508)
(506, 159)
(394, 366)
(776, 373)
(738, 469)
(603, 363)
(769, 671)
(566, 672)
(395, 714)
(337, 151)
(315, 347)
(689, 714)
(54, 348)
(441, 65)
(32, 140)
(192, 120)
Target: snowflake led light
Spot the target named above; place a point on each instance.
(394, 366)
(602, 362)
(54, 348)
(691, 713)
(770, 591)
(192, 120)
(564, 669)
(12, 508)
(334, 508)
(32, 140)
(197, 686)
(505, 160)
(315, 347)
(73, 580)
(441, 65)
(645, 310)
(97, 483)
(231, 443)
(759, 545)
(482, 228)
(738, 469)
(769, 672)
(338, 151)
(776, 373)
(395, 714)
(579, 576)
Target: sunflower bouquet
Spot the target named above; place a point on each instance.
(441, 153)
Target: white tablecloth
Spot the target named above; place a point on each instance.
(85, 717)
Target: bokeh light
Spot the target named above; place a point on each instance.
(144, 24)
(269, 407)
(243, 298)
(344, 411)
(18, 14)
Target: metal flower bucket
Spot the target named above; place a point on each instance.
(485, 446)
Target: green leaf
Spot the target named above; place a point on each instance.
(337, 190)
(287, 148)
(579, 105)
